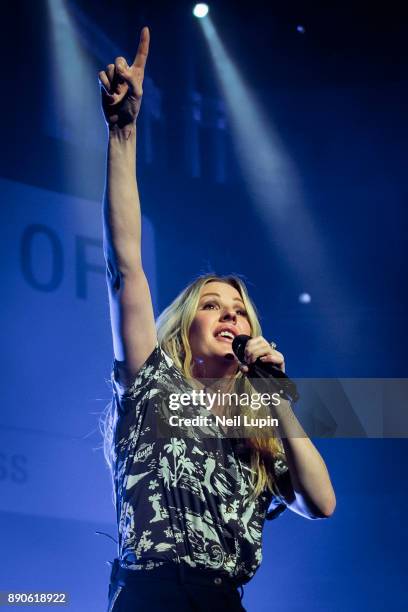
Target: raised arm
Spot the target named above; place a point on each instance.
(132, 318)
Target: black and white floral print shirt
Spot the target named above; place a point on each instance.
(182, 499)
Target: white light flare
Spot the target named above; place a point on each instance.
(200, 10)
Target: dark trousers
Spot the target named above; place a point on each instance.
(172, 588)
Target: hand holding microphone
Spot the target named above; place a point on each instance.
(250, 350)
(259, 359)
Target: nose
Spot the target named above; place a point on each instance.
(228, 315)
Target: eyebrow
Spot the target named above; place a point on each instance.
(218, 295)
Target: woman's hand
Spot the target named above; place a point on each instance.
(122, 86)
(259, 348)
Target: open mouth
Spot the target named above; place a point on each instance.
(225, 336)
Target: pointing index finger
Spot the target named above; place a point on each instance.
(143, 49)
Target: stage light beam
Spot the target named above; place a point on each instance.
(272, 176)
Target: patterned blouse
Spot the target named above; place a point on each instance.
(185, 498)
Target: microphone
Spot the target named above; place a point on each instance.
(266, 371)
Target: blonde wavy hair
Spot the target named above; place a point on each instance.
(173, 326)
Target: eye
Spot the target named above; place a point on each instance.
(243, 313)
(209, 305)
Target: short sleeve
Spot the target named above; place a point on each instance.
(278, 503)
(150, 371)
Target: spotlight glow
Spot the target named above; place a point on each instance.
(305, 298)
(200, 10)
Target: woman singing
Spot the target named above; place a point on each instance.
(190, 509)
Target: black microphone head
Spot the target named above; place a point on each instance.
(238, 346)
